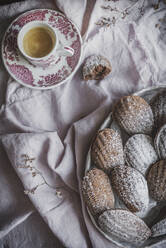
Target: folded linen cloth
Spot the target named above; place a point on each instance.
(36, 158)
(56, 126)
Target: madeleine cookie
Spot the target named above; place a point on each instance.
(97, 191)
(157, 181)
(131, 187)
(134, 115)
(159, 228)
(139, 152)
(158, 105)
(96, 67)
(160, 142)
(124, 225)
(107, 150)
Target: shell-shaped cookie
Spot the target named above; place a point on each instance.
(158, 105)
(131, 187)
(97, 191)
(107, 149)
(124, 225)
(157, 181)
(134, 115)
(159, 228)
(139, 152)
(160, 142)
(96, 67)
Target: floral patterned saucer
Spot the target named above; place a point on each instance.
(39, 77)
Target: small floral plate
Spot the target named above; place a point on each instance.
(42, 77)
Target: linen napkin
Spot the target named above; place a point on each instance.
(37, 157)
(56, 126)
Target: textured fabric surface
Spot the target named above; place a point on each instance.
(55, 127)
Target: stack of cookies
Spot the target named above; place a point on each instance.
(133, 172)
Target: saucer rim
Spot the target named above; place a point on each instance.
(43, 87)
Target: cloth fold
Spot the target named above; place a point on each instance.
(56, 126)
(35, 157)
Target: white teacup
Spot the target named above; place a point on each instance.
(39, 44)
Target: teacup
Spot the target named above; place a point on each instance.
(39, 44)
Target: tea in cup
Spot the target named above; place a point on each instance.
(39, 44)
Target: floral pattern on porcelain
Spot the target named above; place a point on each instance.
(35, 76)
(22, 73)
(50, 78)
(37, 15)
